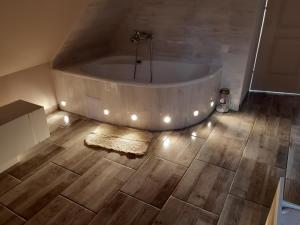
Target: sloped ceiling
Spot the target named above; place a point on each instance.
(32, 31)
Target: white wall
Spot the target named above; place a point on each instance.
(35, 85)
(32, 31)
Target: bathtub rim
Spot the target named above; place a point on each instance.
(71, 71)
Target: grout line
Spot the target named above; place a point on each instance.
(198, 207)
(185, 174)
(288, 159)
(214, 164)
(13, 212)
(239, 164)
(151, 155)
(243, 154)
(56, 144)
(118, 163)
(180, 180)
(248, 200)
(70, 200)
(135, 172)
(123, 192)
(168, 160)
(187, 168)
(32, 173)
(7, 173)
(156, 155)
(65, 168)
(289, 151)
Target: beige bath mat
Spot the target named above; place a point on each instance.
(117, 144)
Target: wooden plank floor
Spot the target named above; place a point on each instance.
(223, 171)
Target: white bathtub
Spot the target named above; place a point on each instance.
(186, 93)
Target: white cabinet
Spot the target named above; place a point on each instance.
(22, 125)
(283, 212)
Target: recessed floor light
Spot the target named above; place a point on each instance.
(106, 112)
(194, 136)
(63, 103)
(167, 119)
(134, 117)
(196, 113)
(209, 124)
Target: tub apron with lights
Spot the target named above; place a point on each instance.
(177, 96)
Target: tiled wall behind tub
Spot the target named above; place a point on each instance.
(93, 31)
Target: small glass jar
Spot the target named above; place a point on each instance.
(224, 100)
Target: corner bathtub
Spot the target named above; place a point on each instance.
(186, 93)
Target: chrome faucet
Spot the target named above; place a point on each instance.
(139, 36)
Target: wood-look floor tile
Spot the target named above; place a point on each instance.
(74, 133)
(204, 129)
(233, 125)
(177, 212)
(281, 106)
(79, 158)
(7, 182)
(256, 181)
(248, 112)
(267, 149)
(291, 191)
(295, 134)
(34, 193)
(293, 166)
(62, 211)
(296, 110)
(42, 153)
(124, 132)
(258, 100)
(276, 127)
(296, 116)
(125, 210)
(242, 212)
(97, 186)
(177, 147)
(9, 218)
(206, 186)
(57, 119)
(129, 160)
(222, 151)
(154, 181)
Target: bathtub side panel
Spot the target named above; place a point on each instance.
(151, 103)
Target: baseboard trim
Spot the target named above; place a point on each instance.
(275, 92)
